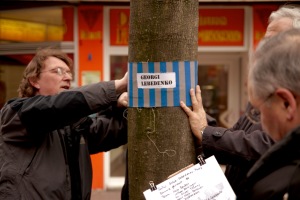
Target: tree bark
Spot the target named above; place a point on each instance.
(160, 141)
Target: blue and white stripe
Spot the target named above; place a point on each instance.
(186, 78)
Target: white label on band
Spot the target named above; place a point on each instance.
(156, 80)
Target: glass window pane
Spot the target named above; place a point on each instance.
(118, 67)
(11, 72)
(37, 25)
(213, 81)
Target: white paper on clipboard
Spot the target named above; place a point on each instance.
(199, 182)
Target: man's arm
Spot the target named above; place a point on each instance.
(243, 143)
(235, 146)
(41, 114)
(108, 130)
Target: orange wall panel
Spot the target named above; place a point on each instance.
(119, 27)
(90, 33)
(98, 171)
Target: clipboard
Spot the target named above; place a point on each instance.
(202, 181)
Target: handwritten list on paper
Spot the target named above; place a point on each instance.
(206, 182)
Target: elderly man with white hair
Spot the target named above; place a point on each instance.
(240, 146)
(274, 91)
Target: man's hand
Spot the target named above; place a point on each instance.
(197, 115)
(123, 100)
(121, 85)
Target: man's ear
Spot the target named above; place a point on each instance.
(289, 102)
(33, 81)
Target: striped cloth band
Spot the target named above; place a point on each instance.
(161, 84)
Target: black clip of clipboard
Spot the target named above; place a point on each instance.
(201, 160)
(152, 186)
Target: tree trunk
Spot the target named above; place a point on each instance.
(160, 141)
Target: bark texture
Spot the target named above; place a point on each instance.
(160, 141)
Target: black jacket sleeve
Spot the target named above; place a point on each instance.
(39, 115)
(108, 130)
(243, 142)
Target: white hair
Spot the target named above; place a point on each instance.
(290, 11)
(276, 63)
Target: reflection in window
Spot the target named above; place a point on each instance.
(118, 67)
(213, 81)
(37, 25)
(10, 77)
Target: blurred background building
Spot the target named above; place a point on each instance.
(95, 34)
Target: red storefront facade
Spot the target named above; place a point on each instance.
(95, 35)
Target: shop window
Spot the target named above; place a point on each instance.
(118, 67)
(213, 80)
(37, 25)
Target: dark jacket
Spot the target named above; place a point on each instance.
(238, 147)
(46, 142)
(276, 173)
